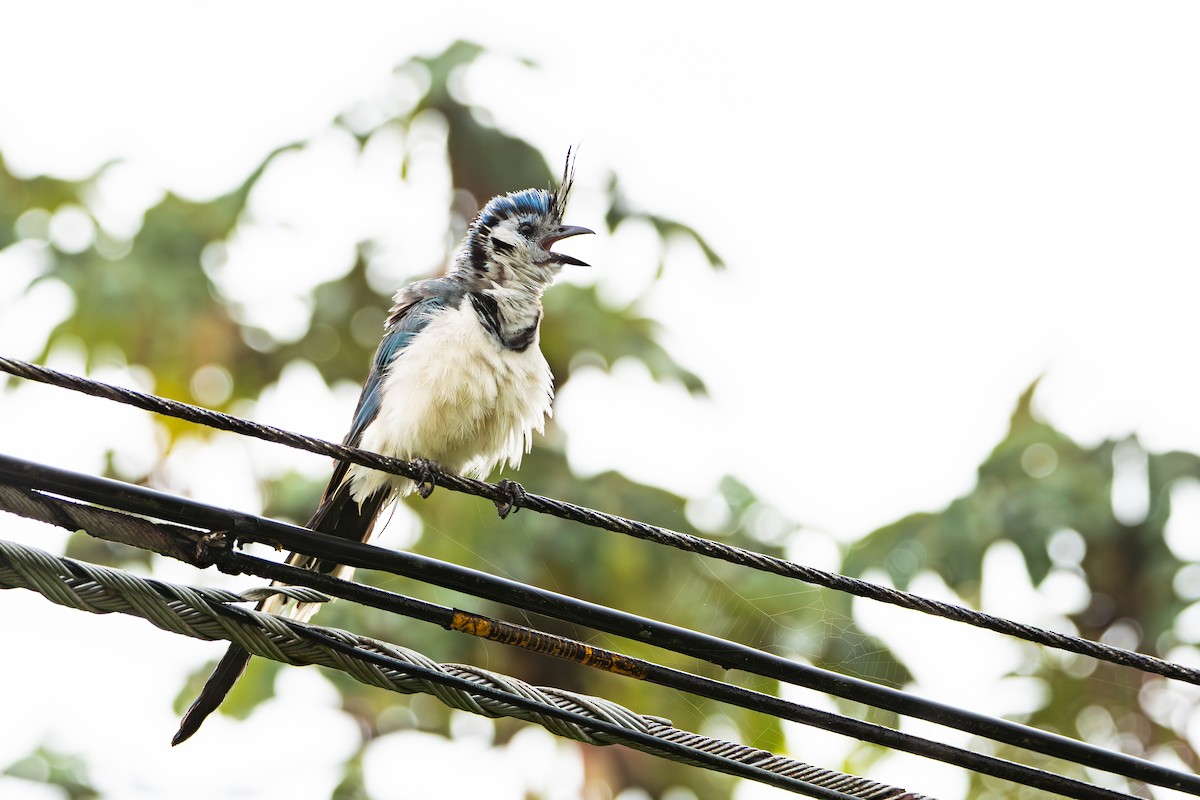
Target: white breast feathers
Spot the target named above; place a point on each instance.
(456, 396)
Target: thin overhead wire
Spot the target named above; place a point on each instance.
(246, 527)
(185, 544)
(610, 522)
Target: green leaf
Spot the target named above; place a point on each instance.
(51, 767)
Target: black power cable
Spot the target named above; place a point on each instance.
(186, 544)
(248, 527)
(580, 653)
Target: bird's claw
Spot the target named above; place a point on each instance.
(427, 469)
(515, 495)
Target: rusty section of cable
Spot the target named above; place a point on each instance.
(547, 644)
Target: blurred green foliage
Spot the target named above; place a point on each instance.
(1053, 499)
(153, 301)
(47, 766)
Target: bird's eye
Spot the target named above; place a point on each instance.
(525, 228)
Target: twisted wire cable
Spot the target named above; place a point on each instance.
(610, 522)
(180, 542)
(204, 613)
(216, 546)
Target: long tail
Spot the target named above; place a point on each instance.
(229, 669)
(339, 515)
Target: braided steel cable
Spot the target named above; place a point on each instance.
(205, 613)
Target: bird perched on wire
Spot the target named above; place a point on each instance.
(458, 383)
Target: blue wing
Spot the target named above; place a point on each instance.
(398, 336)
(337, 513)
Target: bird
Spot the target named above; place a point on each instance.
(458, 383)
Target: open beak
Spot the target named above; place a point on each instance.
(563, 232)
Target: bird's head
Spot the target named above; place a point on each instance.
(508, 243)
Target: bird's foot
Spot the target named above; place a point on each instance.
(427, 468)
(515, 495)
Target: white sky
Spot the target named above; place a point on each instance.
(924, 206)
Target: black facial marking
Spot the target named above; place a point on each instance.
(501, 246)
(477, 256)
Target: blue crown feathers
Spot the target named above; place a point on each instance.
(539, 202)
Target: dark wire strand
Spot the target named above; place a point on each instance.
(609, 522)
(248, 527)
